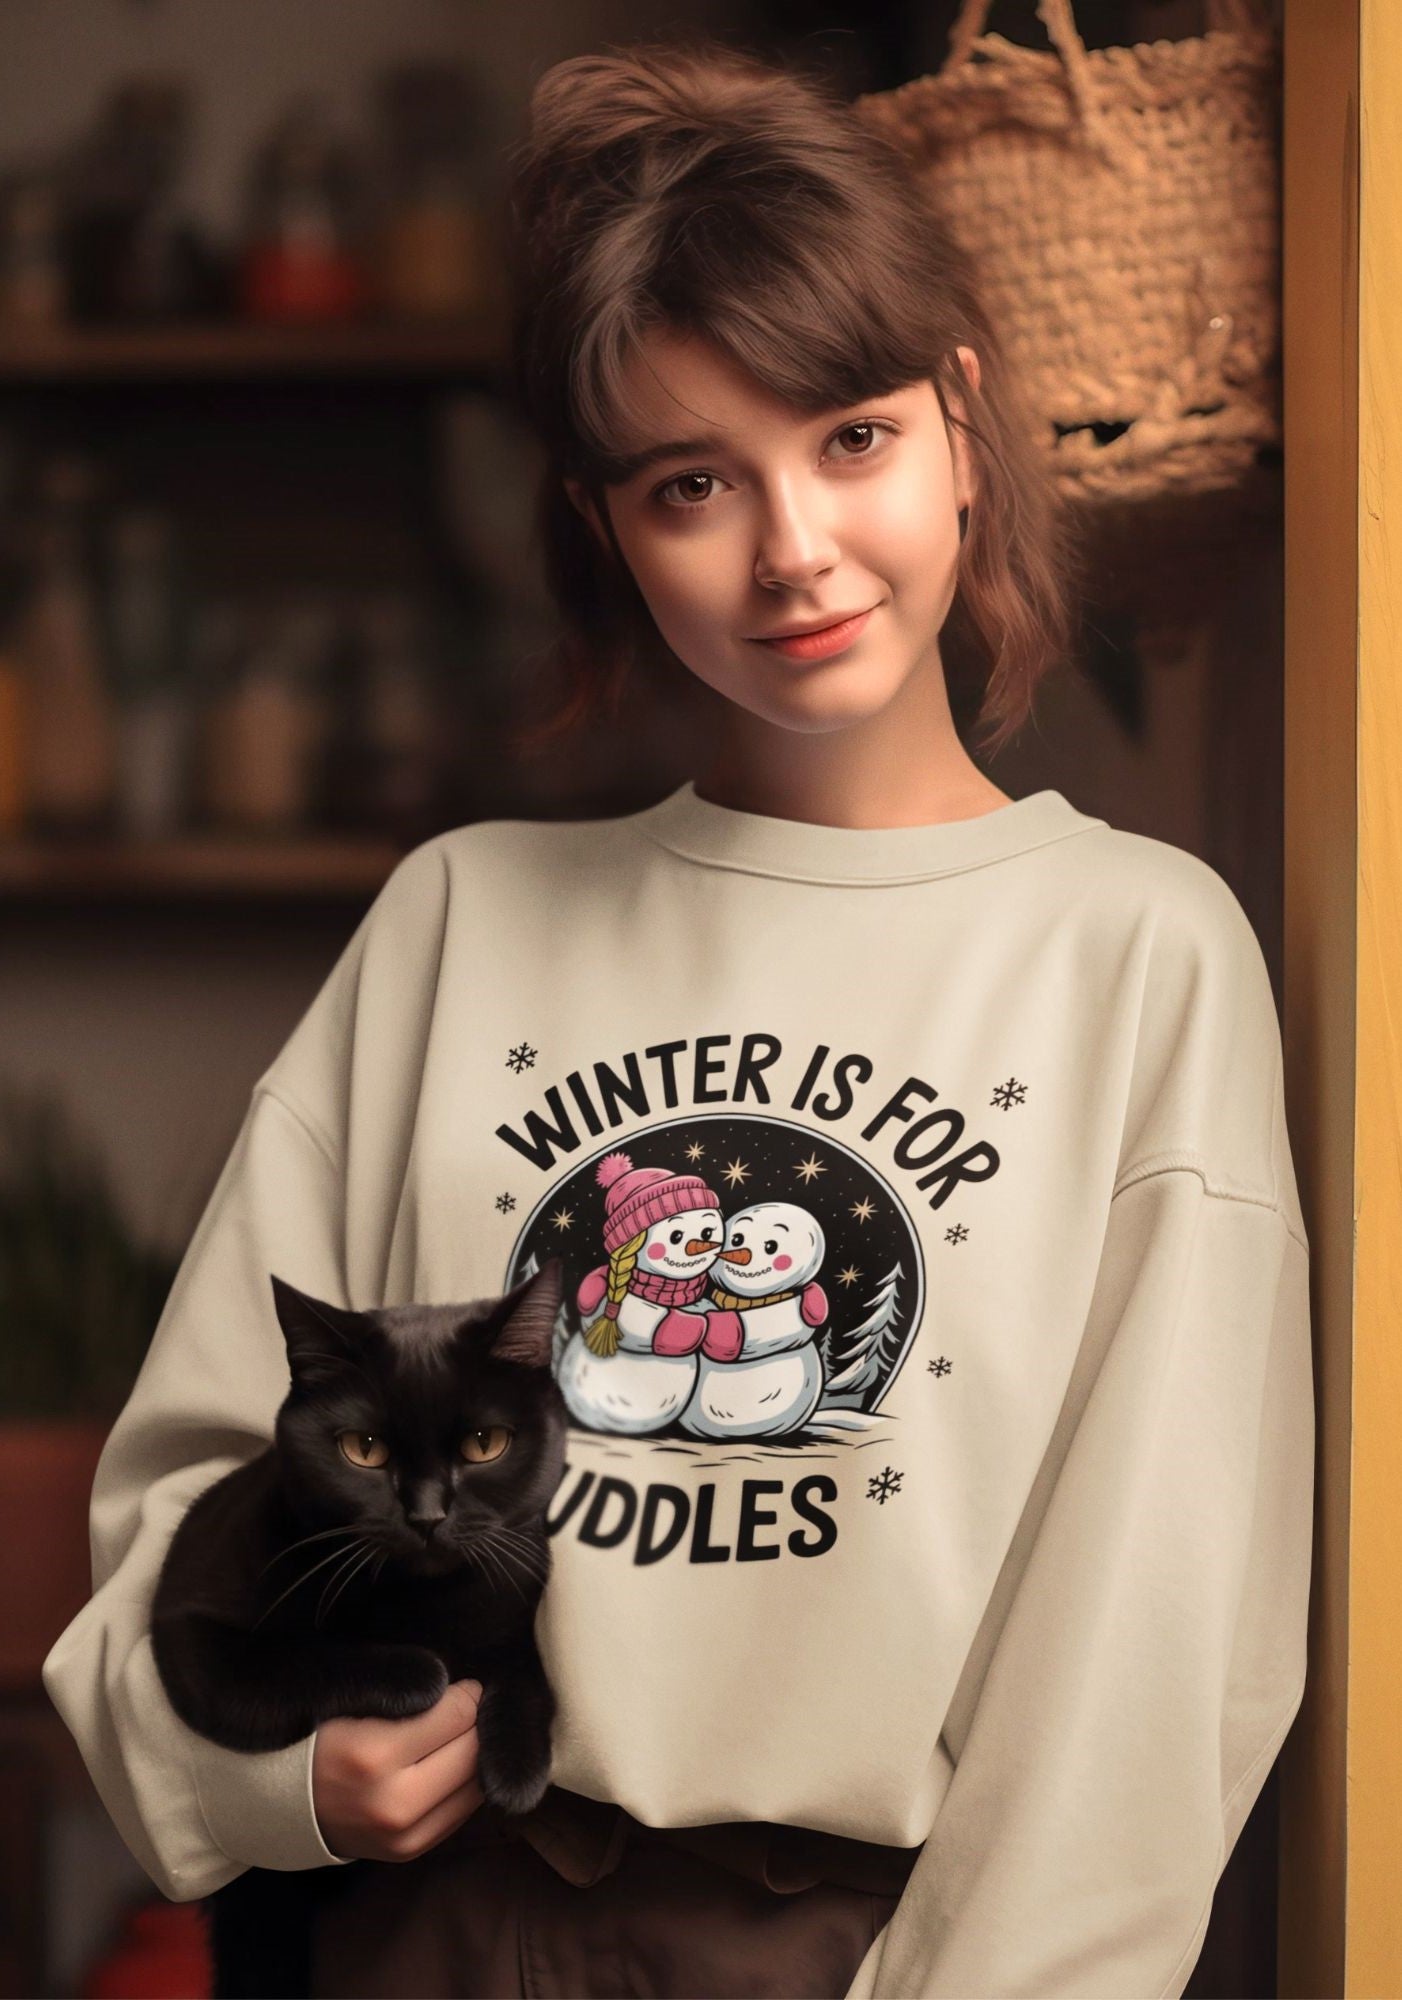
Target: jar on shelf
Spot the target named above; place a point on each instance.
(302, 257)
(266, 727)
(434, 248)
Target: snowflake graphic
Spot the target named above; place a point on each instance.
(522, 1057)
(957, 1234)
(505, 1203)
(1006, 1095)
(884, 1485)
(940, 1366)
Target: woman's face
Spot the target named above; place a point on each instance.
(752, 519)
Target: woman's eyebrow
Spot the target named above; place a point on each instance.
(630, 464)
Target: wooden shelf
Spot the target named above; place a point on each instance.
(214, 866)
(233, 351)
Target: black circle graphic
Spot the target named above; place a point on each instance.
(872, 1270)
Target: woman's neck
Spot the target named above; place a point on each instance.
(904, 766)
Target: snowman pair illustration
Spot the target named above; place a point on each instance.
(695, 1320)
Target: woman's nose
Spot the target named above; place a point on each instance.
(796, 544)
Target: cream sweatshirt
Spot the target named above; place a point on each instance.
(936, 1345)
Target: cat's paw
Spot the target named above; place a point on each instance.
(394, 1681)
(518, 1791)
(513, 1750)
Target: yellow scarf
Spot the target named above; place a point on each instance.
(734, 1302)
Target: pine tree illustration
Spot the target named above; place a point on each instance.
(861, 1367)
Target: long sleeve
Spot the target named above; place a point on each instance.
(1143, 1654)
(193, 1813)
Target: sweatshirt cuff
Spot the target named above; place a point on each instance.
(258, 1804)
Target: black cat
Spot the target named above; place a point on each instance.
(391, 1539)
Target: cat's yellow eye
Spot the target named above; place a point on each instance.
(478, 1447)
(363, 1449)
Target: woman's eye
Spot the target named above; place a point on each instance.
(363, 1449)
(478, 1447)
(868, 430)
(691, 498)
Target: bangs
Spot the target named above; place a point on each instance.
(793, 291)
(703, 192)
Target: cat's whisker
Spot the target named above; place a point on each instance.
(528, 1544)
(344, 1579)
(489, 1560)
(527, 1548)
(321, 1535)
(499, 1557)
(335, 1556)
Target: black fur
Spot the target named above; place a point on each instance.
(301, 1586)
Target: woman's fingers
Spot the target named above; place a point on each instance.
(414, 1791)
(444, 1818)
(420, 1735)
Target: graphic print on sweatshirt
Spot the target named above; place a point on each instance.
(740, 1287)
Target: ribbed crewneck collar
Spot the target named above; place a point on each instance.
(804, 851)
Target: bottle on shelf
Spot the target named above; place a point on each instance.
(266, 727)
(14, 759)
(146, 623)
(401, 720)
(70, 715)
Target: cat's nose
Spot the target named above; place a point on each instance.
(426, 1523)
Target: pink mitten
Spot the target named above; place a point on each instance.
(678, 1333)
(814, 1304)
(592, 1288)
(725, 1336)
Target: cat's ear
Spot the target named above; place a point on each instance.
(320, 1337)
(528, 1313)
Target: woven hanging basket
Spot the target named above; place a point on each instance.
(1123, 209)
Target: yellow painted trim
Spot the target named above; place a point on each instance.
(1375, 1592)
(1341, 1774)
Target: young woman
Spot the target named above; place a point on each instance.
(930, 1568)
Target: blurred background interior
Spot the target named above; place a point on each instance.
(269, 608)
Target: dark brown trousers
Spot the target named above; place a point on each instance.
(578, 1900)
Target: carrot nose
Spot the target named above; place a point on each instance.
(736, 1256)
(698, 1244)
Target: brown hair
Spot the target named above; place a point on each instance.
(692, 185)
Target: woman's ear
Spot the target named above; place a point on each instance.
(965, 480)
(580, 499)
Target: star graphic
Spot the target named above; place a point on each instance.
(863, 1209)
(809, 1169)
(696, 1151)
(735, 1173)
(849, 1276)
(562, 1218)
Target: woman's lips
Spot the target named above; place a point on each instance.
(818, 645)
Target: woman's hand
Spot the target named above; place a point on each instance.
(388, 1791)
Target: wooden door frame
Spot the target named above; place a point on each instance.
(1340, 1929)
